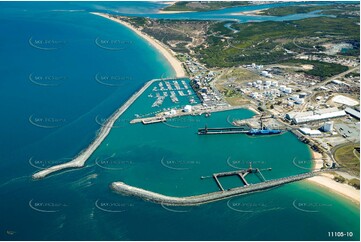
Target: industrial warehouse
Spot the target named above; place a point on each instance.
(317, 115)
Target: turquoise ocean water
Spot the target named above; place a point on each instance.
(63, 73)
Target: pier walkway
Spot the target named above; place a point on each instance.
(125, 189)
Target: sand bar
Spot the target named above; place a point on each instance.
(166, 52)
(250, 13)
(172, 12)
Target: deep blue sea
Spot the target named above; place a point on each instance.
(64, 69)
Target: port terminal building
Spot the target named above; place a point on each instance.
(354, 113)
(316, 115)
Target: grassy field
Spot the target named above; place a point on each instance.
(239, 75)
(345, 156)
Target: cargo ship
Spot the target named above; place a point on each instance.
(264, 131)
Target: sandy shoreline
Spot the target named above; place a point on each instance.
(326, 181)
(170, 12)
(250, 13)
(166, 52)
(344, 190)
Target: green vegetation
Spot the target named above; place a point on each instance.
(320, 69)
(353, 74)
(265, 42)
(177, 34)
(345, 156)
(283, 11)
(339, 179)
(355, 183)
(203, 5)
(269, 42)
(338, 10)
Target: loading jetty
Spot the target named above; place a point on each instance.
(128, 190)
(244, 129)
(84, 155)
(240, 173)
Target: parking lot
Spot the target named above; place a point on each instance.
(350, 131)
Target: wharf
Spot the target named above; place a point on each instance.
(225, 130)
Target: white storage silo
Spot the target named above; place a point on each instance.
(275, 83)
(288, 90)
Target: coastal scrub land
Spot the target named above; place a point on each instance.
(303, 41)
(288, 40)
(202, 5)
(338, 10)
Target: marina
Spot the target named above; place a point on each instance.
(175, 90)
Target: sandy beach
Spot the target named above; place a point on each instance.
(250, 13)
(317, 159)
(326, 181)
(170, 12)
(166, 52)
(345, 190)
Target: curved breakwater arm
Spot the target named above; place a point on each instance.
(84, 155)
(125, 189)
